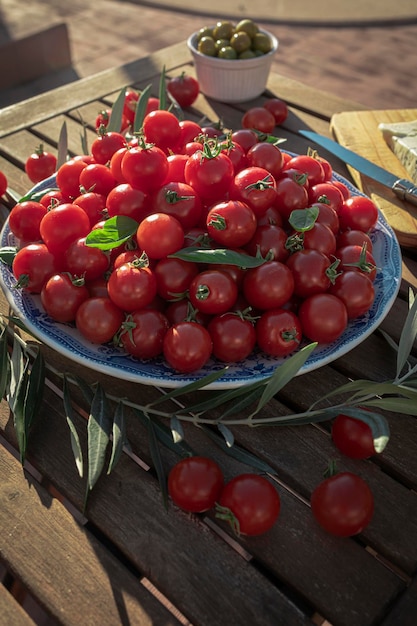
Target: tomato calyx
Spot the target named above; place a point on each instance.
(140, 261)
(172, 197)
(218, 222)
(202, 292)
(332, 272)
(262, 184)
(225, 514)
(362, 264)
(22, 282)
(331, 469)
(40, 150)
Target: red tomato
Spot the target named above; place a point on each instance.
(86, 261)
(97, 177)
(61, 296)
(357, 258)
(291, 194)
(245, 137)
(343, 504)
(105, 145)
(33, 265)
(3, 184)
(256, 187)
(266, 155)
(187, 346)
(231, 223)
(189, 131)
(142, 333)
(323, 317)
(159, 235)
(356, 290)
(213, 292)
(184, 89)
(145, 168)
(63, 225)
(209, 176)
(327, 193)
(179, 200)
(68, 177)
(268, 286)
(250, 503)
(259, 118)
(308, 165)
(132, 286)
(354, 238)
(269, 240)
(278, 332)
(52, 198)
(25, 218)
(98, 319)
(233, 337)
(311, 272)
(40, 164)
(127, 200)
(173, 277)
(278, 108)
(327, 216)
(94, 204)
(358, 213)
(195, 483)
(353, 437)
(162, 128)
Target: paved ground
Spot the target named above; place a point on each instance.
(374, 63)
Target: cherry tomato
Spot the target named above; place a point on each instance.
(132, 286)
(311, 272)
(187, 346)
(231, 223)
(173, 277)
(40, 164)
(268, 286)
(162, 128)
(291, 194)
(327, 216)
(25, 218)
(256, 187)
(245, 137)
(358, 259)
(353, 437)
(278, 332)
(94, 204)
(213, 292)
(259, 118)
(354, 238)
(184, 89)
(327, 193)
(62, 225)
(209, 176)
(356, 290)
(180, 200)
(145, 168)
(343, 504)
(127, 200)
(250, 503)
(105, 145)
(86, 261)
(266, 155)
(195, 483)
(98, 319)
(61, 296)
(33, 265)
(52, 198)
(159, 235)
(3, 184)
(233, 337)
(189, 131)
(308, 165)
(323, 317)
(358, 213)
(269, 240)
(278, 108)
(142, 333)
(68, 177)
(97, 177)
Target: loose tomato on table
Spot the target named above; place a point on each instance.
(259, 118)
(278, 108)
(3, 183)
(250, 504)
(40, 164)
(195, 484)
(343, 504)
(184, 89)
(353, 437)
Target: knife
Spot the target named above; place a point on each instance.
(403, 188)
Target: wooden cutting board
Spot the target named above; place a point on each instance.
(358, 131)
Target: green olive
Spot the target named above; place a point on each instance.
(262, 42)
(240, 41)
(207, 46)
(206, 31)
(248, 54)
(221, 43)
(223, 30)
(227, 52)
(247, 26)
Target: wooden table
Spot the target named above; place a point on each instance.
(128, 560)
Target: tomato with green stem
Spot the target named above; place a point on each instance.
(278, 332)
(40, 164)
(142, 333)
(195, 484)
(62, 295)
(184, 89)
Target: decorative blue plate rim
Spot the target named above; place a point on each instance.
(65, 339)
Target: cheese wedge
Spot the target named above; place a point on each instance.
(401, 137)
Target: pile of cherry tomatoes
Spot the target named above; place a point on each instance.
(236, 245)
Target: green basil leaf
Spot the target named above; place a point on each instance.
(116, 231)
(221, 255)
(303, 219)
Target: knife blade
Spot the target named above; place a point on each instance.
(402, 187)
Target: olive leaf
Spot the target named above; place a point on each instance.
(194, 386)
(118, 436)
(176, 429)
(408, 334)
(115, 121)
(4, 362)
(218, 255)
(141, 109)
(63, 146)
(34, 394)
(157, 461)
(75, 440)
(98, 431)
(227, 434)
(164, 434)
(162, 90)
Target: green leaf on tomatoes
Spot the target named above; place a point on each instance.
(37, 195)
(220, 255)
(303, 219)
(116, 231)
(7, 254)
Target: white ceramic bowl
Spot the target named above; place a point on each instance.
(232, 80)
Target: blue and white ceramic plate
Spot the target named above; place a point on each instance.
(64, 338)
